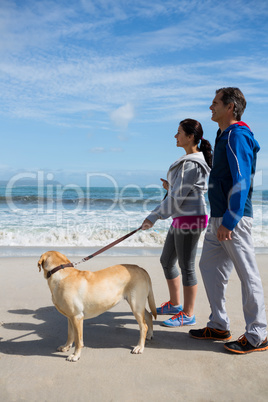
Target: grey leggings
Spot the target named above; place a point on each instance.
(181, 246)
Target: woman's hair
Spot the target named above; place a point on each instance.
(190, 127)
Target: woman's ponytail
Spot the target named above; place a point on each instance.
(206, 148)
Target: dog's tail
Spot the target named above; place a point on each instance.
(151, 300)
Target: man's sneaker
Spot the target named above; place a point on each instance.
(242, 345)
(210, 333)
(179, 320)
(168, 308)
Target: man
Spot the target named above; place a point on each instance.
(228, 240)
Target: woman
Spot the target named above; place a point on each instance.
(186, 184)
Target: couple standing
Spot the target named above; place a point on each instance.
(228, 240)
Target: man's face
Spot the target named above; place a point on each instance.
(219, 110)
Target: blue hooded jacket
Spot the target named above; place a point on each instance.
(231, 176)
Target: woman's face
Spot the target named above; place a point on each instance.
(183, 140)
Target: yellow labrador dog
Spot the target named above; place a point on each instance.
(81, 295)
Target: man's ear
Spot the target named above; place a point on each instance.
(230, 107)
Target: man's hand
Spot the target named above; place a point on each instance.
(146, 224)
(224, 233)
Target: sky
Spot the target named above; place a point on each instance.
(92, 91)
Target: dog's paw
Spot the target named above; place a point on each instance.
(149, 336)
(63, 348)
(73, 358)
(137, 350)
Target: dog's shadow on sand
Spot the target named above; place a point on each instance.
(45, 329)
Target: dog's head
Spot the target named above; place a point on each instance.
(50, 260)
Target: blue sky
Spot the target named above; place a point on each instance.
(99, 86)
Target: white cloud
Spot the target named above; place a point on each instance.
(83, 92)
(68, 65)
(97, 150)
(123, 115)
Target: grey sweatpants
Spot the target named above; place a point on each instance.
(216, 264)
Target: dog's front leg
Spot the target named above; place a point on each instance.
(70, 338)
(77, 324)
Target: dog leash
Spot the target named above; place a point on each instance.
(74, 264)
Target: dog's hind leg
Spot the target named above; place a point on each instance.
(77, 324)
(137, 305)
(70, 339)
(149, 322)
(143, 331)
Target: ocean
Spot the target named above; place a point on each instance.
(80, 220)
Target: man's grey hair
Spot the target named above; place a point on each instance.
(235, 96)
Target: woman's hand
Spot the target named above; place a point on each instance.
(146, 224)
(165, 184)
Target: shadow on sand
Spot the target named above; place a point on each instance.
(45, 329)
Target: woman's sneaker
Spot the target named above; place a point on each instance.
(179, 320)
(168, 308)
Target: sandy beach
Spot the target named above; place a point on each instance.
(173, 367)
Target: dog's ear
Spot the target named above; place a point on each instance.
(40, 262)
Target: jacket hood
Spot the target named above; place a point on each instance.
(194, 157)
(245, 130)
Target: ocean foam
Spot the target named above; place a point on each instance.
(56, 225)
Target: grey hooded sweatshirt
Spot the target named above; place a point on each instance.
(187, 178)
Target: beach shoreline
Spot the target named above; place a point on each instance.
(173, 366)
(75, 252)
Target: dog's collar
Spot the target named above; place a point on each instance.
(56, 269)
